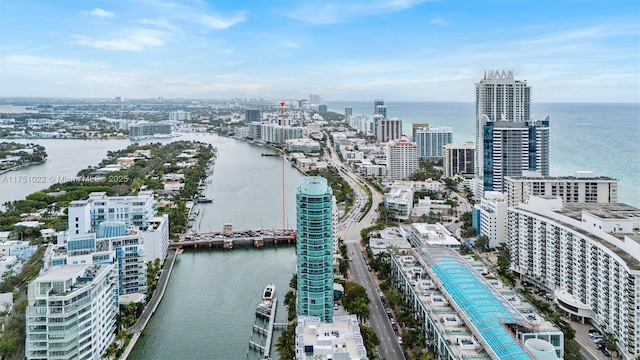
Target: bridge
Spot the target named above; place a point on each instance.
(228, 239)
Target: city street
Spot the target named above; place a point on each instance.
(349, 231)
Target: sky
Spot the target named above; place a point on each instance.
(399, 50)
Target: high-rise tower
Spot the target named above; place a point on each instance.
(507, 140)
(314, 248)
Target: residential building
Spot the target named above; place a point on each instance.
(141, 130)
(314, 248)
(511, 148)
(388, 129)
(86, 215)
(272, 133)
(459, 159)
(464, 312)
(252, 116)
(179, 115)
(423, 234)
(427, 207)
(302, 145)
(400, 201)
(431, 141)
(319, 340)
(112, 243)
(588, 256)
(499, 98)
(582, 187)
(415, 127)
(491, 218)
(348, 111)
(71, 313)
(402, 159)
(322, 109)
(379, 108)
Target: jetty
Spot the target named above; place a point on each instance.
(265, 322)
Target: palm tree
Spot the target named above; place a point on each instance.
(360, 309)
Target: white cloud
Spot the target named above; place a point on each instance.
(132, 40)
(220, 23)
(160, 23)
(321, 13)
(101, 13)
(438, 21)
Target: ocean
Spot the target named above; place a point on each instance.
(603, 138)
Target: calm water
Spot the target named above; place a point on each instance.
(603, 138)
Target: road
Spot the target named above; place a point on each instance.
(349, 230)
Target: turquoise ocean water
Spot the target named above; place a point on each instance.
(603, 138)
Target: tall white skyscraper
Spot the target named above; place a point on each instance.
(508, 142)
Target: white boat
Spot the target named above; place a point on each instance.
(269, 293)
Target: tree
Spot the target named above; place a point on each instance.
(571, 350)
(482, 242)
(285, 346)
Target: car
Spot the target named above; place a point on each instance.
(394, 326)
(599, 346)
(606, 352)
(335, 306)
(597, 339)
(594, 332)
(350, 258)
(399, 340)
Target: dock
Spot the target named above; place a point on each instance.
(265, 312)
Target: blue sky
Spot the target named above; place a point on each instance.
(399, 50)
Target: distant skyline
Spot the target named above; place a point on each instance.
(399, 50)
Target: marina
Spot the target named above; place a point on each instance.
(265, 323)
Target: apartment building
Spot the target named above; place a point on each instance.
(588, 255)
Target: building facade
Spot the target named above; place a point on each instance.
(379, 108)
(459, 159)
(400, 201)
(388, 129)
(431, 141)
(511, 149)
(252, 116)
(71, 313)
(499, 97)
(491, 213)
(582, 187)
(314, 248)
(179, 115)
(588, 255)
(141, 130)
(402, 159)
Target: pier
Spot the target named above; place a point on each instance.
(229, 239)
(266, 311)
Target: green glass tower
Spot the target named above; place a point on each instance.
(314, 248)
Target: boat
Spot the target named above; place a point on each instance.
(204, 200)
(269, 293)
